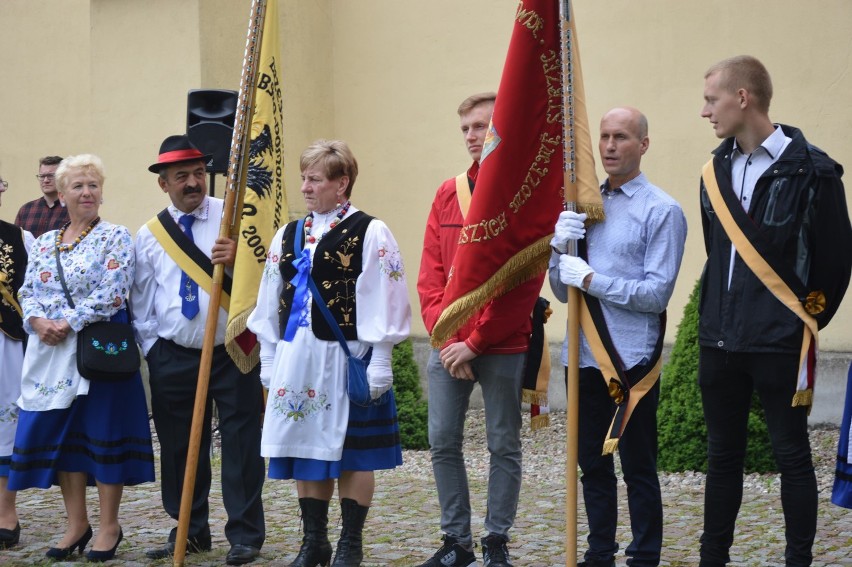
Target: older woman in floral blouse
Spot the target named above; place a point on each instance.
(73, 432)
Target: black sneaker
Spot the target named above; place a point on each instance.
(494, 551)
(451, 554)
(592, 563)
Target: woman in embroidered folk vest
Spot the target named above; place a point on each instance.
(311, 431)
(14, 244)
(78, 275)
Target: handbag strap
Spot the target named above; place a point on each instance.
(335, 328)
(61, 273)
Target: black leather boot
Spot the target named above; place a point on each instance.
(316, 549)
(349, 552)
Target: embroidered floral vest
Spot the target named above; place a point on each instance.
(335, 269)
(13, 267)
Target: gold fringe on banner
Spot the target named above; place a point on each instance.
(594, 211)
(245, 362)
(533, 397)
(540, 421)
(523, 266)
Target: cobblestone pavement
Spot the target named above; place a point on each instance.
(402, 528)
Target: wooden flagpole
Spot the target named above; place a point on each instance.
(573, 325)
(228, 228)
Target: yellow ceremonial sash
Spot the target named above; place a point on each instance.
(463, 193)
(185, 262)
(770, 278)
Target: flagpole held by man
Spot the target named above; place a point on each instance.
(238, 397)
(627, 273)
(173, 335)
(581, 196)
(245, 532)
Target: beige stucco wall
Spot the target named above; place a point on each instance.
(44, 89)
(111, 77)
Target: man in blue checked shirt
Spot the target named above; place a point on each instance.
(628, 265)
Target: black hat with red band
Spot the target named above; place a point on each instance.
(177, 149)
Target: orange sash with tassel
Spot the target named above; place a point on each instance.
(784, 285)
(623, 393)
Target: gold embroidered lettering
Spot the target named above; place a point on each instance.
(529, 19)
(485, 229)
(536, 172)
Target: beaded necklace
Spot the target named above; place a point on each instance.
(69, 247)
(309, 223)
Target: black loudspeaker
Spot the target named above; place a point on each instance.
(210, 124)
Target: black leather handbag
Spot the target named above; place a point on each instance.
(106, 350)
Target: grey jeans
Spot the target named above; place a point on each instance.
(500, 377)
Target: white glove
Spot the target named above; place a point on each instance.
(267, 358)
(379, 371)
(570, 226)
(573, 270)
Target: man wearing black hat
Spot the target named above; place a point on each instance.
(175, 253)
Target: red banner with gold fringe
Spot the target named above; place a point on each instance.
(506, 234)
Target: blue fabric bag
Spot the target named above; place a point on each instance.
(357, 385)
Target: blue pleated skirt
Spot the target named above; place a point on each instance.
(841, 494)
(104, 434)
(372, 443)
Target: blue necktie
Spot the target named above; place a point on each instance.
(188, 288)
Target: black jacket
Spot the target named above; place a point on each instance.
(13, 266)
(799, 205)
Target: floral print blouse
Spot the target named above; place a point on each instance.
(98, 272)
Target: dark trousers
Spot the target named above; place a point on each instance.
(637, 450)
(727, 381)
(239, 401)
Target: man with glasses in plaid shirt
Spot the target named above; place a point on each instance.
(45, 213)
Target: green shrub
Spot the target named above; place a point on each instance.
(682, 433)
(410, 405)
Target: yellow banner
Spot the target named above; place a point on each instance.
(265, 201)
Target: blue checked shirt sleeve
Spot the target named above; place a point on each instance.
(648, 288)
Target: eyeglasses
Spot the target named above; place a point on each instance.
(44, 176)
(4, 183)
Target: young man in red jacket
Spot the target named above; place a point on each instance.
(489, 349)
